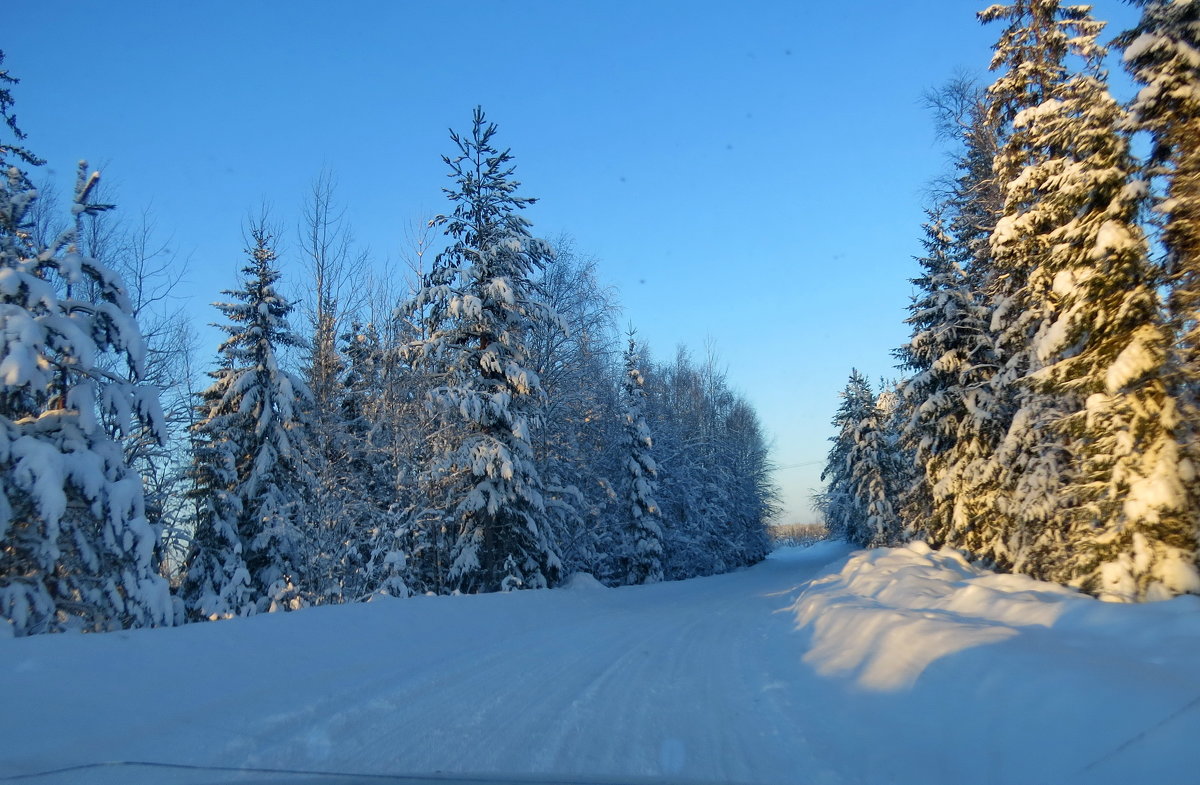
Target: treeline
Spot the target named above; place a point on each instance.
(484, 428)
(1048, 422)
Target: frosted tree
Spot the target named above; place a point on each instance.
(754, 495)
(1020, 486)
(335, 513)
(479, 304)
(578, 449)
(643, 560)
(839, 503)
(1095, 495)
(374, 554)
(76, 550)
(950, 357)
(251, 553)
(1163, 54)
(879, 471)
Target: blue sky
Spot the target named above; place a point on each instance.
(752, 173)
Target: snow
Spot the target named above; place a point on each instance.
(817, 666)
(582, 581)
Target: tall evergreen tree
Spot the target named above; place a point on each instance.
(251, 553)
(1093, 491)
(480, 303)
(1163, 54)
(840, 504)
(643, 560)
(76, 549)
(1021, 488)
(958, 420)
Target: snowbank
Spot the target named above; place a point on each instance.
(889, 613)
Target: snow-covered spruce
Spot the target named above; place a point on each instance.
(479, 303)
(76, 550)
(643, 557)
(837, 502)
(946, 341)
(250, 551)
(372, 557)
(952, 430)
(1090, 483)
(1163, 54)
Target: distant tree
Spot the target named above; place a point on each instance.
(251, 553)
(334, 514)
(755, 497)
(879, 471)
(480, 305)
(578, 448)
(643, 559)
(840, 504)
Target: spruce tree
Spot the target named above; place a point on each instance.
(76, 549)
(251, 552)
(1090, 492)
(375, 552)
(1022, 481)
(948, 355)
(839, 503)
(479, 304)
(957, 420)
(643, 559)
(879, 471)
(1163, 53)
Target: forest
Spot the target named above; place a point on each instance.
(1047, 420)
(483, 425)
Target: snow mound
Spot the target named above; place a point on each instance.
(582, 581)
(889, 613)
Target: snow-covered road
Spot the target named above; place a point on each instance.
(699, 680)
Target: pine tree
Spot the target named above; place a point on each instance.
(643, 561)
(480, 304)
(251, 553)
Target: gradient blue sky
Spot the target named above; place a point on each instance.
(749, 172)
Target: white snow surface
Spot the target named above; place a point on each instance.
(819, 665)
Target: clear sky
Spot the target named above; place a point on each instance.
(752, 173)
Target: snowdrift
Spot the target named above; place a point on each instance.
(989, 666)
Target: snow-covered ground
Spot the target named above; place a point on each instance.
(893, 665)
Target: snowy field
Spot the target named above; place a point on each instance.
(816, 666)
